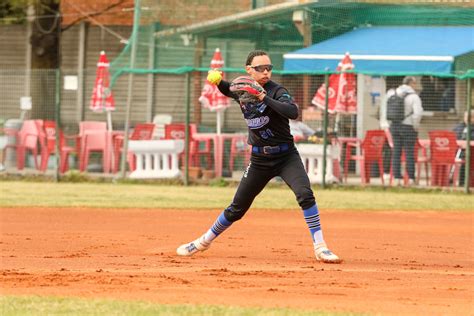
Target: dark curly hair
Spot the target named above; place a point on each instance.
(253, 54)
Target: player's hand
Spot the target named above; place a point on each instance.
(262, 94)
(214, 76)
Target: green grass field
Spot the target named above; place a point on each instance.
(34, 305)
(121, 195)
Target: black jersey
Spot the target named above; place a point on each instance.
(267, 120)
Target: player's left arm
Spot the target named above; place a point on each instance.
(283, 103)
(224, 88)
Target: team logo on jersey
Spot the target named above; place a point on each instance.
(250, 107)
(257, 122)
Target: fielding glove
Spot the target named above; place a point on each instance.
(247, 89)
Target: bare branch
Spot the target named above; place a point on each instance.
(87, 16)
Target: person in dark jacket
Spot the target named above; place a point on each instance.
(461, 133)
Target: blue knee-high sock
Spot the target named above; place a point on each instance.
(219, 226)
(311, 216)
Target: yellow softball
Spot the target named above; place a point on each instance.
(214, 76)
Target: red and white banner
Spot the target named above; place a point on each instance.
(102, 98)
(342, 90)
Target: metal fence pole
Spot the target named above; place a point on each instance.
(136, 21)
(467, 164)
(57, 107)
(188, 119)
(325, 128)
(57, 115)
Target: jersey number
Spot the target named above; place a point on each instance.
(266, 134)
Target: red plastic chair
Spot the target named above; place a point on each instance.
(239, 147)
(178, 131)
(370, 152)
(142, 131)
(28, 139)
(421, 158)
(175, 131)
(49, 147)
(86, 126)
(201, 148)
(443, 149)
(92, 138)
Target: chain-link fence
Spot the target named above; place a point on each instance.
(444, 102)
(161, 73)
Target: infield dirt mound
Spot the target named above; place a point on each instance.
(394, 263)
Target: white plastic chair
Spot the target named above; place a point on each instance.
(160, 120)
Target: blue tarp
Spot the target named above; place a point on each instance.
(388, 50)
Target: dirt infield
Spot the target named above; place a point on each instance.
(395, 263)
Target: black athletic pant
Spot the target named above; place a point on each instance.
(260, 171)
(386, 157)
(404, 138)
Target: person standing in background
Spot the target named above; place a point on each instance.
(461, 134)
(300, 130)
(405, 132)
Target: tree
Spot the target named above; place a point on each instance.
(45, 21)
(45, 57)
(45, 45)
(45, 35)
(12, 11)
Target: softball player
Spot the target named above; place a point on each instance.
(273, 153)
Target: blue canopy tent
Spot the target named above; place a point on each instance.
(392, 51)
(446, 51)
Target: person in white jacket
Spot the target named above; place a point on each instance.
(300, 130)
(405, 133)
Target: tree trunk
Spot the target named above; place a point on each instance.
(45, 58)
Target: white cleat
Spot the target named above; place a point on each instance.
(325, 255)
(191, 248)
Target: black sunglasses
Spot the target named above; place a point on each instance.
(262, 68)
